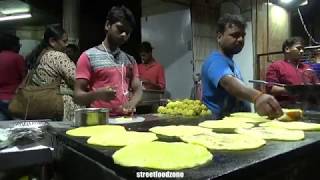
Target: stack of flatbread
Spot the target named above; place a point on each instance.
(291, 115)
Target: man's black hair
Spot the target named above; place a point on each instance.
(146, 47)
(228, 20)
(9, 42)
(121, 14)
(291, 41)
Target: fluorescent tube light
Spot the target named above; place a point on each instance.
(286, 1)
(15, 10)
(15, 16)
(304, 3)
(268, 3)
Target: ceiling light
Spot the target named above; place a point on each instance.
(15, 10)
(286, 1)
(16, 16)
(304, 3)
(268, 3)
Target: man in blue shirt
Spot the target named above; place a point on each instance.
(223, 89)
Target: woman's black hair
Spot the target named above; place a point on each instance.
(54, 31)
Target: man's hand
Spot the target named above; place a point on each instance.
(147, 84)
(105, 94)
(267, 105)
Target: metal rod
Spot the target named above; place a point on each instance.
(270, 53)
(312, 47)
(266, 83)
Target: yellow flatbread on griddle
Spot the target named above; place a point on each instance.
(162, 155)
(121, 139)
(292, 125)
(94, 130)
(179, 131)
(248, 119)
(272, 133)
(229, 142)
(225, 125)
(247, 114)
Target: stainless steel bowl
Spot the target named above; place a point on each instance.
(91, 116)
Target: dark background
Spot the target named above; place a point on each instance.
(92, 17)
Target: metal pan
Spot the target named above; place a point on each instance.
(304, 90)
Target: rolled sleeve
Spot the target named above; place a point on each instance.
(217, 70)
(83, 70)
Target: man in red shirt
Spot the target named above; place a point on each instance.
(12, 71)
(151, 72)
(290, 71)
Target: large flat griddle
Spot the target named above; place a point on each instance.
(276, 158)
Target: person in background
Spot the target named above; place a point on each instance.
(107, 77)
(53, 65)
(151, 72)
(289, 71)
(12, 71)
(73, 52)
(196, 92)
(223, 89)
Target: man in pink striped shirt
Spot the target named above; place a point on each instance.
(107, 77)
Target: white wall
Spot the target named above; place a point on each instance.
(27, 45)
(245, 58)
(170, 35)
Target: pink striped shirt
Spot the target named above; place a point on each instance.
(108, 69)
